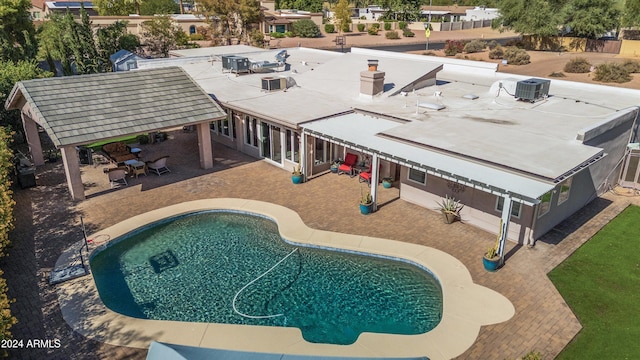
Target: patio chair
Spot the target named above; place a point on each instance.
(348, 164)
(117, 176)
(366, 176)
(158, 166)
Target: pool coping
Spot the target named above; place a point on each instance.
(466, 306)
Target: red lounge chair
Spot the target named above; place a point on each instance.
(348, 164)
(366, 176)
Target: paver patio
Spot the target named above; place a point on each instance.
(47, 222)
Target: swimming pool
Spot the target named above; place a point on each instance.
(466, 306)
(234, 268)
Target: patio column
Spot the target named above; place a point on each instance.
(303, 155)
(375, 174)
(71, 163)
(504, 226)
(33, 139)
(204, 145)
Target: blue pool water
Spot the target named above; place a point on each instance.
(191, 268)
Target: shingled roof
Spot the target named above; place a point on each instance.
(76, 110)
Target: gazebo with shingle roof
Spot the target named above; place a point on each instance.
(77, 110)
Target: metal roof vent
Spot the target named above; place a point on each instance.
(532, 89)
(431, 106)
(470, 96)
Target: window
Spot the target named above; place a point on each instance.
(418, 176)
(213, 126)
(321, 153)
(293, 145)
(545, 203)
(565, 187)
(192, 29)
(516, 207)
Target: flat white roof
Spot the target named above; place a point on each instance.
(366, 131)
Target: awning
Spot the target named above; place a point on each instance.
(360, 132)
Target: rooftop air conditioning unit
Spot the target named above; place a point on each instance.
(532, 89)
(235, 63)
(274, 83)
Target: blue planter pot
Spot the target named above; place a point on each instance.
(491, 264)
(296, 179)
(386, 184)
(366, 209)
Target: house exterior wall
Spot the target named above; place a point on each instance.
(479, 206)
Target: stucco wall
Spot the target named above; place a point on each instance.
(630, 48)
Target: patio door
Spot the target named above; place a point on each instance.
(631, 172)
(271, 142)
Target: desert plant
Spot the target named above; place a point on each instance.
(373, 30)
(516, 56)
(306, 28)
(452, 47)
(387, 26)
(296, 170)
(375, 25)
(365, 197)
(492, 44)
(496, 53)
(612, 72)
(450, 205)
(475, 46)
(408, 33)
(577, 65)
(632, 66)
(532, 355)
(402, 25)
(329, 28)
(515, 42)
(557, 74)
(361, 27)
(429, 53)
(392, 35)
(256, 37)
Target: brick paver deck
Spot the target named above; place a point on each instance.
(47, 222)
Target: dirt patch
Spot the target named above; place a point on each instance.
(544, 63)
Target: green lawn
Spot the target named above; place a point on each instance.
(126, 139)
(601, 283)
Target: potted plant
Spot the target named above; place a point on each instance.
(366, 202)
(387, 182)
(491, 259)
(450, 208)
(335, 165)
(296, 175)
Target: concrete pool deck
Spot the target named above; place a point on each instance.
(466, 306)
(48, 222)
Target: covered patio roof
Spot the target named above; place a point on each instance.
(76, 110)
(362, 132)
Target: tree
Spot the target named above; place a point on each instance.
(226, 11)
(160, 36)
(306, 28)
(11, 73)
(306, 5)
(251, 15)
(536, 17)
(592, 18)
(342, 15)
(631, 15)
(114, 7)
(17, 34)
(113, 38)
(158, 7)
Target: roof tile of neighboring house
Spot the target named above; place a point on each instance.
(38, 4)
(77, 110)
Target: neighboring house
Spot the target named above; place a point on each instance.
(37, 10)
(445, 13)
(124, 60)
(281, 20)
(371, 12)
(60, 7)
(480, 13)
(188, 22)
(527, 152)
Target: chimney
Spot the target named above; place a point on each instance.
(372, 80)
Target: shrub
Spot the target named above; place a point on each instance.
(402, 25)
(143, 139)
(474, 46)
(375, 25)
(516, 56)
(452, 47)
(277, 35)
(577, 65)
(408, 33)
(346, 27)
(612, 72)
(373, 30)
(532, 355)
(361, 27)
(392, 35)
(515, 42)
(387, 26)
(429, 53)
(329, 28)
(496, 53)
(306, 28)
(256, 37)
(557, 74)
(632, 66)
(196, 37)
(6, 224)
(289, 34)
(492, 44)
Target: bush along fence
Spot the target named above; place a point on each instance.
(6, 224)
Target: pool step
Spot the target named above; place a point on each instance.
(58, 276)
